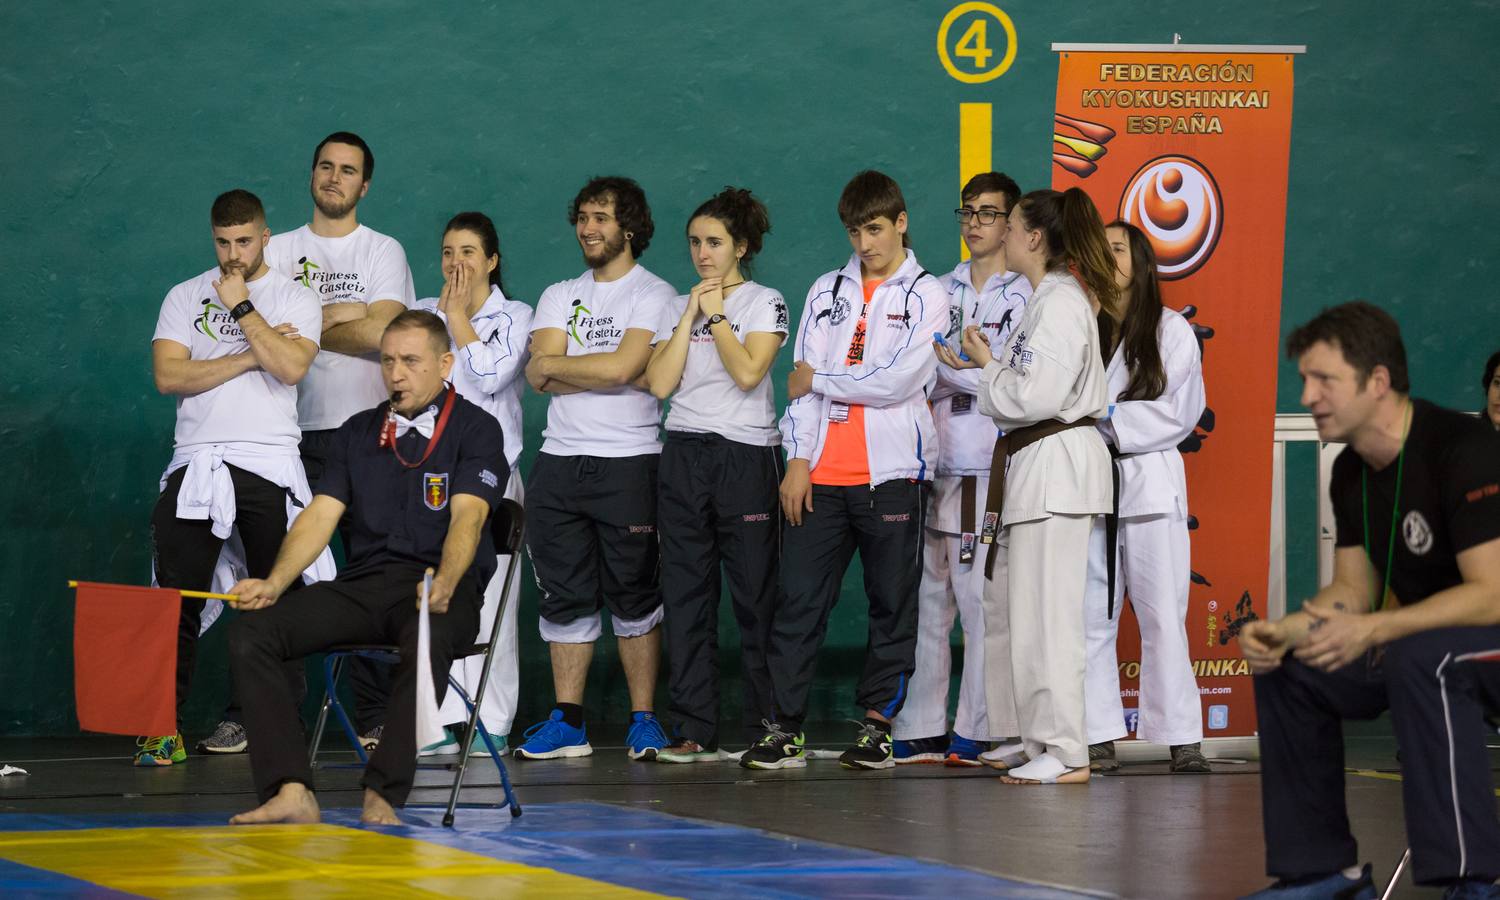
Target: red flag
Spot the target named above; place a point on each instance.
(125, 658)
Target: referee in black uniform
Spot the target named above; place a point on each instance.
(1406, 624)
(418, 476)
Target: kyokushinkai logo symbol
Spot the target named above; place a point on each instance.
(578, 310)
(1176, 202)
(307, 269)
(204, 322)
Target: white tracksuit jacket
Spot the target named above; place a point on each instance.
(893, 381)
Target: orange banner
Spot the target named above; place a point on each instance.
(1192, 147)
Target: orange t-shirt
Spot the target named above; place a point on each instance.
(846, 459)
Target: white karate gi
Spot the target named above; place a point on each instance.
(1053, 490)
(949, 585)
(1153, 558)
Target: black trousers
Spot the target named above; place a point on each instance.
(591, 535)
(717, 505)
(185, 552)
(374, 608)
(1437, 705)
(885, 524)
(369, 679)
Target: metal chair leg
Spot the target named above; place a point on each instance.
(330, 684)
(1390, 888)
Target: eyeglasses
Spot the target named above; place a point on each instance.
(985, 216)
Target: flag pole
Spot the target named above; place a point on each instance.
(195, 595)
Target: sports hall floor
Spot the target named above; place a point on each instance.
(85, 823)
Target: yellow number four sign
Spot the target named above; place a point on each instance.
(972, 44)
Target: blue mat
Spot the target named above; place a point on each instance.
(642, 849)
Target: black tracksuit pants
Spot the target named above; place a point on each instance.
(717, 506)
(378, 607)
(369, 679)
(885, 524)
(1437, 703)
(186, 551)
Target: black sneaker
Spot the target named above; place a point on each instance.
(777, 749)
(1102, 757)
(871, 750)
(371, 740)
(1188, 759)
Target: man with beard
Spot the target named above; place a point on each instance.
(363, 282)
(234, 463)
(591, 497)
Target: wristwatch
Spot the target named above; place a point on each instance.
(715, 319)
(243, 309)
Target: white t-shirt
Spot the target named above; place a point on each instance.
(361, 267)
(253, 408)
(707, 400)
(595, 316)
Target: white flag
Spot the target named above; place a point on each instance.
(429, 724)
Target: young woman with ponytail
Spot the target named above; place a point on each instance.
(1050, 474)
(1156, 386)
(720, 471)
(489, 333)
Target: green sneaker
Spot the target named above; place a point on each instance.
(445, 747)
(477, 747)
(160, 751)
(777, 749)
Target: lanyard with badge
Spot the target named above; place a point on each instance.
(388, 431)
(1374, 655)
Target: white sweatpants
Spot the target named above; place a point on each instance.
(1045, 583)
(948, 587)
(1154, 568)
(498, 710)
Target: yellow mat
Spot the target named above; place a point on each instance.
(286, 861)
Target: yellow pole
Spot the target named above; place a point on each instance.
(196, 595)
(975, 152)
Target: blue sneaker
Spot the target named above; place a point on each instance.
(645, 737)
(1328, 887)
(1472, 889)
(554, 739)
(920, 750)
(964, 752)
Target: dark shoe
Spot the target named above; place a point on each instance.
(777, 749)
(920, 750)
(1188, 759)
(1324, 887)
(1472, 889)
(1102, 757)
(871, 750)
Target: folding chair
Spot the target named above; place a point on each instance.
(507, 528)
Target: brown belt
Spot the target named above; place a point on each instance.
(967, 497)
(1006, 446)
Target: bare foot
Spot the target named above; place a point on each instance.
(377, 811)
(1071, 776)
(293, 804)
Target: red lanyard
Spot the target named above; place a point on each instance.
(388, 433)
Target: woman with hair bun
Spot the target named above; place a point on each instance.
(717, 502)
(1050, 473)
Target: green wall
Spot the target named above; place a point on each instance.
(122, 121)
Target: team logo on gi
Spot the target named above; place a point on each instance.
(435, 489)
(839, 311)
(1417, 533)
